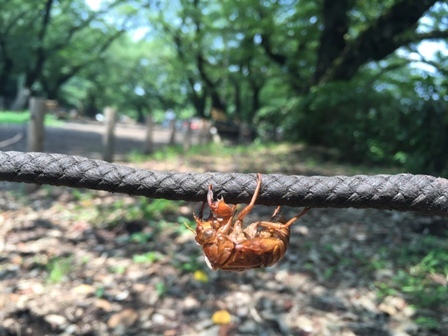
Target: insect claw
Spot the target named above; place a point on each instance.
(201, 213)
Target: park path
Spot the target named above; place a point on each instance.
(85, 139)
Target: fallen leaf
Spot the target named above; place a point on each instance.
(124, 318)
(55, 320)
(438, 278)
(221, 317)
(83, 289)
(103, 304)
(200, 276)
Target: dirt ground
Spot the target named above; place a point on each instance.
(78, 263)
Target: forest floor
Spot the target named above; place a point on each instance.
(81, 262)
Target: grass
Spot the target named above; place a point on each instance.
(284, 158)
(58, 268)
(148, 257)
(212, 150)
(19, 118)
(420, 276)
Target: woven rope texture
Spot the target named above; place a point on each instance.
(404, 192)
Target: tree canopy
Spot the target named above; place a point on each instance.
(364, 77)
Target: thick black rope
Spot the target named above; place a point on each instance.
(404, 192)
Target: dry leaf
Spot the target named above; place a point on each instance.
(221, 317)
(125, 318)
(200, 276)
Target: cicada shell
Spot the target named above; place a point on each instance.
(228, 246)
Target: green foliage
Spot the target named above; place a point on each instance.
(82, 195)
(100, 291)
(428, 323)
(118, 269)
(193, 264)
(157, 208)
(141, 237)
(185, 223)
(148, 257)
(366, 88)
(166, 153)
(427, 258)
(160, 288)
(58, 268)
(373, 122)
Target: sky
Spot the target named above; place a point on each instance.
(94, 4)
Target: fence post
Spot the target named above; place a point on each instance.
(35, 141)
(244, 136)
(172, 127)
(148, 146)
(108, 136)
(36, 134)
(187, 137)
(205, 135)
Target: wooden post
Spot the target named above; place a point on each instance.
(36, 125)
(148, 146)
(243, 133)
(187, 137)
(36, 134)
(172, 140)
(108, 137)
(204, 132)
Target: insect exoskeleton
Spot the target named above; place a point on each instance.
(227, 245)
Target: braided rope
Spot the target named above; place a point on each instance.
(404, 192)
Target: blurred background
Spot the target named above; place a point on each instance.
(366, 78)
(276, 86)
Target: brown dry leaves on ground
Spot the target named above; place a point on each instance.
(94, 263)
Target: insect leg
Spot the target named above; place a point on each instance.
(249, 207)
(287, 224)
(292, 220)
(201, 213)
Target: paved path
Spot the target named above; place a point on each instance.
(86, 139)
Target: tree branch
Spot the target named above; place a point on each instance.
(418, 37)
(379, 40)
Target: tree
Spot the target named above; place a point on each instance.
(59, 39)
(136, 77)
(333, 55)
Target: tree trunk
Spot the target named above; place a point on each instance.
(172, 140)
(21, 99)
